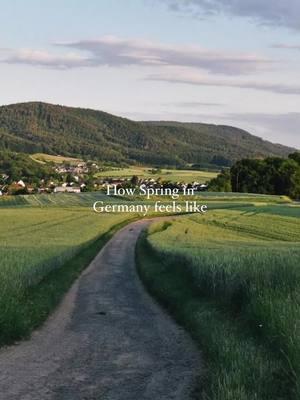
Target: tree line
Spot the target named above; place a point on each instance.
(272, 175)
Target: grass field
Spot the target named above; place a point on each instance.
(43, 158)
(173, 175)
(42, 251)
(232, 277)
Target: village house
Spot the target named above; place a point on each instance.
(203, 187)
(44, 190)
(30, 189)
(67, 189)
(21, 183)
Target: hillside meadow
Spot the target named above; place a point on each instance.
(46, 158)
(232, 278)
(173, 175)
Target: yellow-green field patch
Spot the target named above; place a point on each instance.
(43, 158)
(174, 175)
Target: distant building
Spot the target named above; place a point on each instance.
(21, 183)
(67, 189)
(42, 190)
(203, 187)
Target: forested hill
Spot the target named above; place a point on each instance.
(39, 127)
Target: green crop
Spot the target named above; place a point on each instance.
(247, 264)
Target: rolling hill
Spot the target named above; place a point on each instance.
(37, 127)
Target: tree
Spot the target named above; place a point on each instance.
(288, 171)
(295, 156)
(69, 178)
(246, 176)
(295, 187)
(274, 175)
(222, 183)
(134, 180)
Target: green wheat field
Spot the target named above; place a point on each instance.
(231, 277)
(44, 245)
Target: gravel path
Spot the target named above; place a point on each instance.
(108, 340)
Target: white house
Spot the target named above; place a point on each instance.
(67, 189)
(21, 183)
(203, 187)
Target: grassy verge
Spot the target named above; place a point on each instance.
(239, 366)
(30, 307)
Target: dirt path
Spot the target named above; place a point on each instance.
(107, 341)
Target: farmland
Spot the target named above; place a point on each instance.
(42, 251)
(214, 200)
(64, 200)
(232, 271)
(232, 278)
(173, 175)
(44, 158)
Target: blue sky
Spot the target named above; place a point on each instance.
(220, 61)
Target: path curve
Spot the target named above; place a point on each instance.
(108, 340)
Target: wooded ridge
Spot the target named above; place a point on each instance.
(37, 127)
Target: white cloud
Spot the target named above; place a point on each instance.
(115, 51)
(43, 59)
(271, 12)
(192, 78)
(118, 52)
